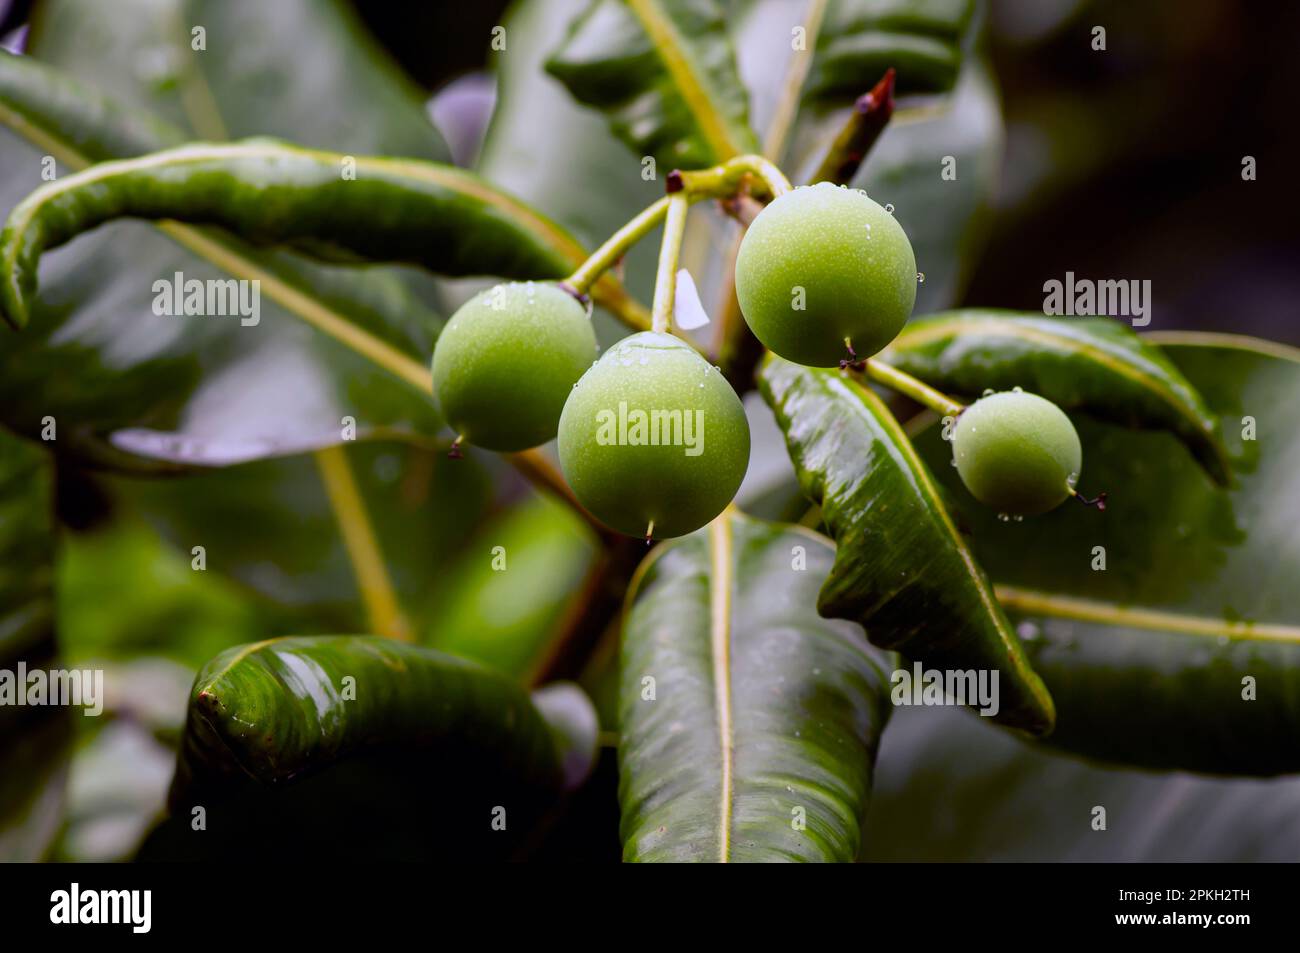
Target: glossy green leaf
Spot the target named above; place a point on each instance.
(861, 39)
(742, 712)
(35, 741)
(1092, 364)
(902, 570)
(271, 192)
(665, 73)
(1153, 659)
(412, 748)
(277, 710)
(948, 789)
(304, 70)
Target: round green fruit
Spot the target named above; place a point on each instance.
(653, 439)
(1017, 453)
(506, 362)
(820, 265)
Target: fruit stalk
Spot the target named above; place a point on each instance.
(617, 245)
(906, 384)
(669, 256)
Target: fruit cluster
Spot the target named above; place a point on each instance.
(654, 441)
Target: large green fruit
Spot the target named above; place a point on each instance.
(1017, 453)
(654, 434)
(821, 264)
(506, 362)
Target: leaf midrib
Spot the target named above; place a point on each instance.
(667, 42)
(1054, 604)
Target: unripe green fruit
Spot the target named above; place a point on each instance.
(822, 264)
(506, 362)
(1017, 453)
(654, 434)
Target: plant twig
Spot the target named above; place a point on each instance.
(867, 121)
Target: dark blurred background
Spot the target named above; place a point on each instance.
(1119, 164)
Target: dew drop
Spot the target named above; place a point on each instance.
(1017, 390)
(954, 461)
(889, 207)
(920, 277)
(988, 392)
(1071, 480)
(1004, 517)
(1018, 518)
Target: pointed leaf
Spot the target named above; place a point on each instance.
(901, 570)
(1184, 650)
(665, 72)
(1092, 364)
(274, 711)
(271, 192)
(763, 713)
(380, 741)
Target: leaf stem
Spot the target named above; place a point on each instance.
(670, 252)
(617, 245)
(906, 384)
(383, 612)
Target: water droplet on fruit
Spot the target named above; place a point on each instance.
(1018, 518)
(1004, 517)
(1017, 390)
(920, 277)
(988, 392)
(889, 207)
(1071, 480)
(954, 461)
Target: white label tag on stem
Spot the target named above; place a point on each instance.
(688, 312)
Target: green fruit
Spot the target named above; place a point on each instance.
(822, 264)
(1017, 453)
(506, 362)
(654, 434)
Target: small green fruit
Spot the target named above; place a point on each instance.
(822, 264)
(654, 434)
(1017, 453)
(506, 362)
